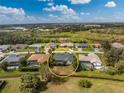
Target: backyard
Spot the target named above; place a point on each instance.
(71, 86)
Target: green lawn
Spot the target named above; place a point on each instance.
(71, 86)
(99, 86)
(14, 73)
(25, 50)
(62, 49)
(12, 86)
(100, 74)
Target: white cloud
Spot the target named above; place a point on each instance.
(66, 14)
(12, 11)
(110, 4)
(85, 13)
(9, 15)
(50, 4)
(53, 16)
(61, 8)
(80, 1)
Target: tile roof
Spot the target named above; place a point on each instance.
(40, 58)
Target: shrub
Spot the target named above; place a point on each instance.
(31, 84)
(3, 66)
(120, 67)
(27, 69)
(111, 71)
(58, 80)
(85, 83)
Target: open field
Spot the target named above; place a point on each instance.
(71, 86)
(112, 34)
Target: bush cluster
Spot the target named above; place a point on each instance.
(85, 83)
(28, 69)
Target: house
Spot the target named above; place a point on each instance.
(117, 45)
(97, 45)
(84, 61)
(13, 61)
(95, 60)
(67, 45)
(52, 45)
(61, 58)
(4, 47)
(37, 47)
(90, 61)
(83, 45)
(36, 59)
(19, 46)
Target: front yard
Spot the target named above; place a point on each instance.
(62, 49)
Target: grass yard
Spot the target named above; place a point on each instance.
(62, 49)
(14, 73)
(25, 50)
(60, 70)
(71, 86)
(100, 74)
(99, 86)
(12, 86)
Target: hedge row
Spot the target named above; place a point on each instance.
(28, 69)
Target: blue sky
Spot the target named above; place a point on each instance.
(58, 11)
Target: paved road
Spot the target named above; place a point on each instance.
(78, 52)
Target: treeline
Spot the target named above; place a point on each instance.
(22, 38)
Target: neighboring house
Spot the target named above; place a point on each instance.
(52, 45)
(90, 61)
(117, 45)
(19, 46)
(4, 47)
(60, 58)
(37, 59)
(37, 47)
(67, 45)
(84, 61)
(97, 45)
(95, 60)
(83, 45)
(13, 61)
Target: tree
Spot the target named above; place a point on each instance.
(120, 67)
(85, 83)
(106, 45)
(3, 66)
(113, 56)
(23, 62)
(45, 74)
(31, 84)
